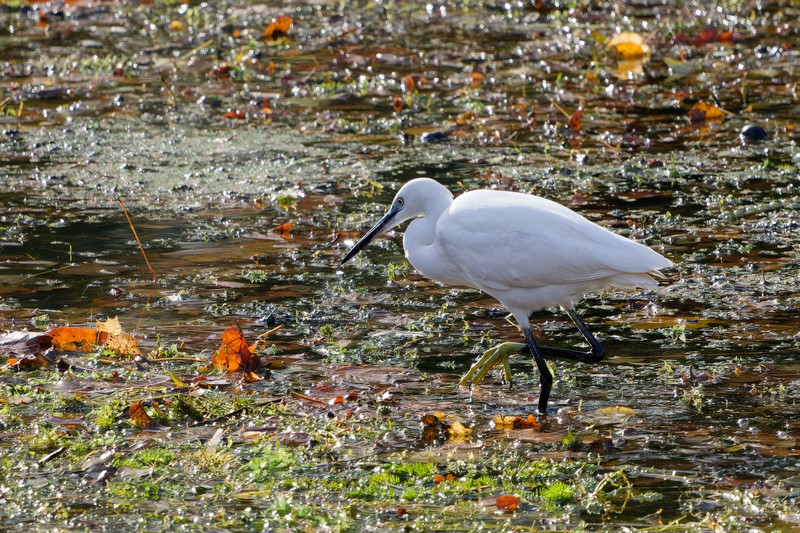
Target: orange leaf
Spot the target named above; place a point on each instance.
(397, 103)
(73, 339)
(234, 114)
(507, 502)
(477, 79)
(279, 28)
(516, 422)
(437, 478)
(413, 83)
(526, 423)
(284, 227)
(234, 354)
(139, 416)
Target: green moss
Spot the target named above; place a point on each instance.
(269, 459)
(559, 493)
(149, 458)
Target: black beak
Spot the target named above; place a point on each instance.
(374, 232)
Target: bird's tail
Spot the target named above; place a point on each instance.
(631, 281)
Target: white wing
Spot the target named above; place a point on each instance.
(503, 240)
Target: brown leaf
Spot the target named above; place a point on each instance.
(234, 354)
(574, 122)
(139, 416)
(123, 344)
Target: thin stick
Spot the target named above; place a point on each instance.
(182, 359)
(130, 222)
(270, 332)
(307, 398)
(563, 111)
(609, 146)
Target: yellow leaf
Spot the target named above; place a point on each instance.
(628, 45)
(178, 381)
(704, 112)
(459, 432)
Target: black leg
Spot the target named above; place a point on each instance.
(596, 354)
(545, 377)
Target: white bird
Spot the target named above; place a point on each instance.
(526, 251)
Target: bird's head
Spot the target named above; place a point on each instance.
(413, 200)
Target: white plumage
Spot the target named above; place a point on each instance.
(526, 251)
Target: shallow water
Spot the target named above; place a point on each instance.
(321, 146)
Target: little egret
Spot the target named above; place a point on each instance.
(526, 251)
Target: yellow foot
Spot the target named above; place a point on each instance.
(491, 358)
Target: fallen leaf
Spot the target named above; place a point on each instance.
(507, 502)
(458, 432)
(628, 45)
(221, 72)
(24, 361)
(73, 339)
(708, 35)
(283, 230)
(436, 431)
(704, 112)
(110, 326)
(178, 381)
(234, 354)
(251, 377)
(234, 115)
(574, 122)
(516, 422)
(413, 83)
(139, 416)
(397, 104)
(123, 344)
(279, 28)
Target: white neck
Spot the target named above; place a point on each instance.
(420, 236)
